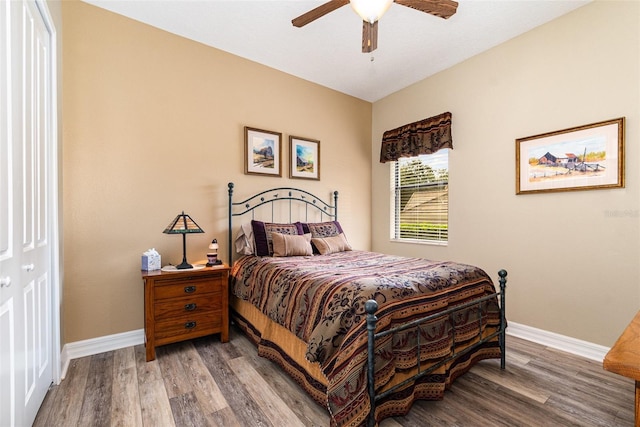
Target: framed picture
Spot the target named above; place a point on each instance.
(262, 152)
(305, 158)
(581, 158)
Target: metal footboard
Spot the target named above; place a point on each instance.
(371, 307)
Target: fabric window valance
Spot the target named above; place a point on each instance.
(422, 137)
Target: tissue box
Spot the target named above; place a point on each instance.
(151, 260)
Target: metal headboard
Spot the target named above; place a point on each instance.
(281, 194)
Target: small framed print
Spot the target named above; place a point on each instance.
(262, 152)
(305, 158)
(586, 157)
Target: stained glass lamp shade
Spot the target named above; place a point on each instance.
(183, 224)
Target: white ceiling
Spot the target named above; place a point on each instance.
(411, 45)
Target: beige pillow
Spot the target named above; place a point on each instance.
(291, 245)
(330, 245)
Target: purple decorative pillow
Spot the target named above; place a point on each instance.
(262, 234)
(322, 229)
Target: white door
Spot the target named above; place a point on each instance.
(26, 262)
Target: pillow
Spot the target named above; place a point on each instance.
(262, 234)
(291, 245)
(331, 244)
(322, 229)
(244, 240)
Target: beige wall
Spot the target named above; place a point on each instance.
(153, 124)
(572, 257)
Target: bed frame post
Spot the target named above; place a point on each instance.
(370, 307)
(230, 232)
(335, 205)
(503, 318)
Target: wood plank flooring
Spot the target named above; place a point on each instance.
(204, 382)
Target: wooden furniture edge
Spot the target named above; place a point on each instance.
(624, 358)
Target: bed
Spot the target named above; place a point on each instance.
(364, 334)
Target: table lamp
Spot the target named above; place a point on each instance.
(183, 224)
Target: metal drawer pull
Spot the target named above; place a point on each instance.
(189, 289)
(190, 307)
(5, 282)
(190, 325)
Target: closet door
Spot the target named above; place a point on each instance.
(8, 271)
(25, 209)
(9, 268)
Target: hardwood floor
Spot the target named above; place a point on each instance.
(207, 383)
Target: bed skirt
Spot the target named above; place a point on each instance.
(279, 345)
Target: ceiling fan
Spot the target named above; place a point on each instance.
(372, 10)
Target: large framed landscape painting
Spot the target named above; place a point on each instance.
(262, 152)
(580, 158)
(305, 158)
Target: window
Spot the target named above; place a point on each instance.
(420, 198)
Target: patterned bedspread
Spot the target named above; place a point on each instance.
(321, 300)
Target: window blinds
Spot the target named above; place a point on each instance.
(421, 194)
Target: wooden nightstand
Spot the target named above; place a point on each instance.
(182, 305)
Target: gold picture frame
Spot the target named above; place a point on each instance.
(585, 157)
(305, 158)
(262, 152)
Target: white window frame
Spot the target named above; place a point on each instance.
(437, 161)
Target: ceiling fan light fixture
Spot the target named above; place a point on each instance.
(370, 10)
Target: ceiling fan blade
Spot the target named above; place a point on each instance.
(369, 36)
(441, 8)
(318, 12)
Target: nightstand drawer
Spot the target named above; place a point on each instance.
(187, 288)
(189, 305)
(188, 326)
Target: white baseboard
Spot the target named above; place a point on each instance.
(98, 345)
(560, 342)
(575, 346)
